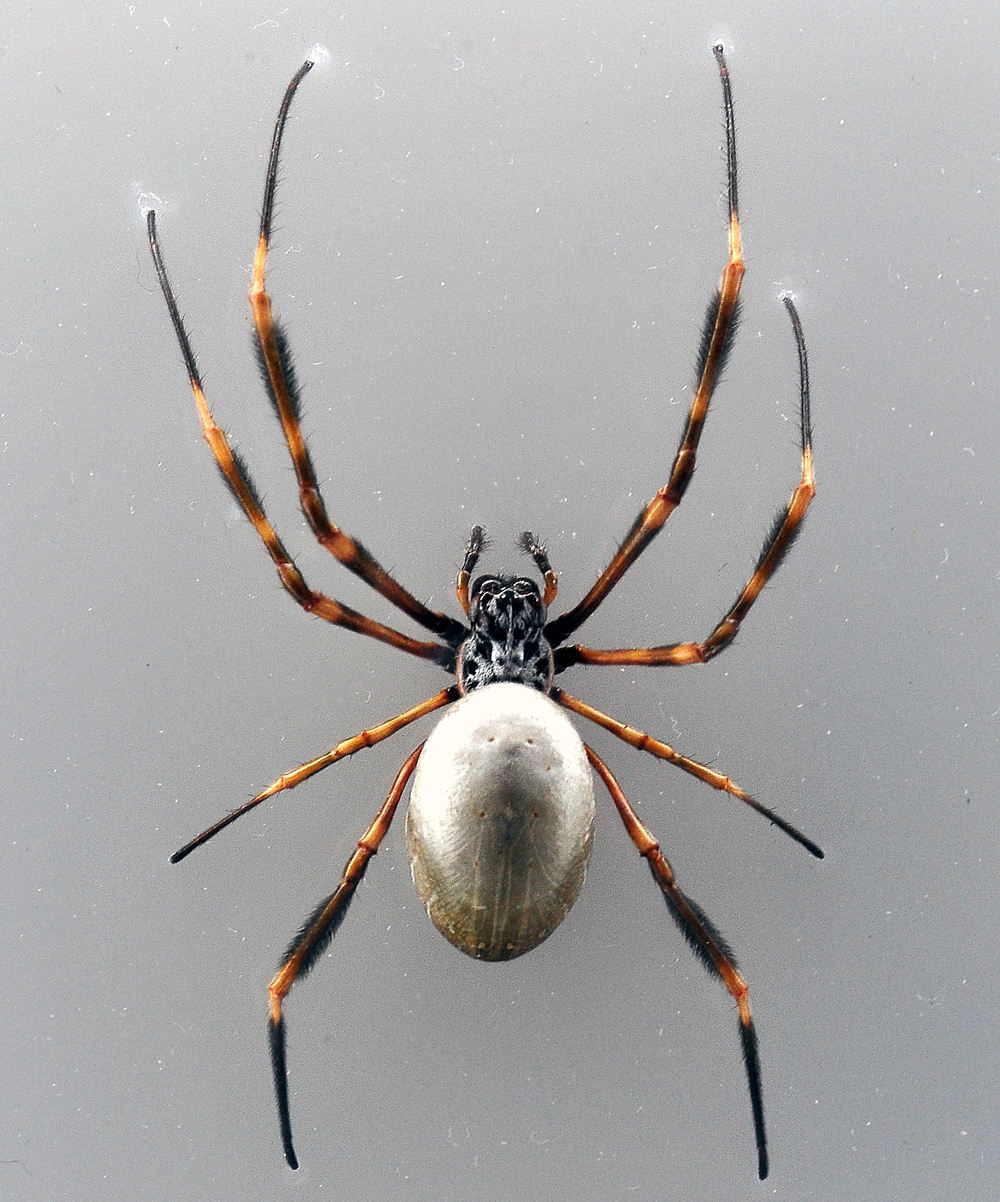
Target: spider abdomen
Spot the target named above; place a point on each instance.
(501, 819)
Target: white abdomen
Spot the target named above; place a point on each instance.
(501, 821)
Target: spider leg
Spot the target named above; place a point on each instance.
(663, 751)
(783, 532)
(277, 370)
(367, 738)
(720, 324)
(310, 943)
(238, 479)
(704, 939)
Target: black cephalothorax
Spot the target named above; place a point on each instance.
(507, 640)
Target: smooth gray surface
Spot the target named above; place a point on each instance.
(498, 229)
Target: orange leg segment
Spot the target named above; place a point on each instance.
(281, 383)
(367, 738)
(720, 323)
(237, 478)
(704, 939)
(786, 526)
(663, 751)
(312, 940)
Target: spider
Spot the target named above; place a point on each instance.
(501, 811)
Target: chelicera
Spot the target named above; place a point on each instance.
(501, 812)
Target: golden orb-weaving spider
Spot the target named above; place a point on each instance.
(501, 811)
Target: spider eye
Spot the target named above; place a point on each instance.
(525, 588)
(487, 586)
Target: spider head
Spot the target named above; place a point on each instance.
(500, 605)
(507, 637)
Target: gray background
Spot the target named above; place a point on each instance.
(498, 229)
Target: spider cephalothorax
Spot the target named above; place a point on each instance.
(507, 640)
